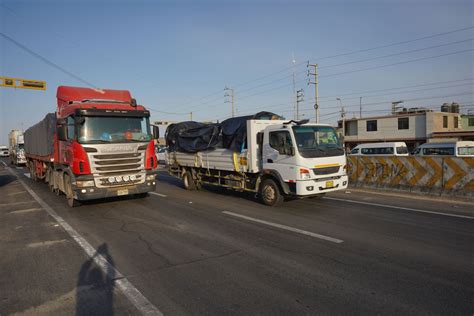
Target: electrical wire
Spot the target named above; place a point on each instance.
(47, 61)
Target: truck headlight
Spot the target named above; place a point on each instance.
(150, 177)
(304, 174)
(84, 184)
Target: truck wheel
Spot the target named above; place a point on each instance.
(270, 193)
(188, 181)
(32, 172)
(71, 201)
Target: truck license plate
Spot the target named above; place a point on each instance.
(329, 184)
(122, 192)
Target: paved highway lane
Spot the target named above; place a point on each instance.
(218, 252)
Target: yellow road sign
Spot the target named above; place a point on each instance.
(22, 83)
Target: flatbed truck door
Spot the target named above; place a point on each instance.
(278, 154)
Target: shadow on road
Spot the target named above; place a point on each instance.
(164, 177)
(6, 179)
(95, 290)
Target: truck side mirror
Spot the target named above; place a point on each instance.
(156, 132)
(62, 132)
(292, 151)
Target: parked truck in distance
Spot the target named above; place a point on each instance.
(17, 147)
(277, 159)
(98, 144)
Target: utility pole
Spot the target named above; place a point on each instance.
(231, 95)
(315, 82)
(190, 116)
(294, 96)
(299, 98)
(360, 107)
(343, 115)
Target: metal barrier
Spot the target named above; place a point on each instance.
(437, 174)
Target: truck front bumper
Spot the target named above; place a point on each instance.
(318, 186)
(93, 193)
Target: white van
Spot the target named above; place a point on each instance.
(380, 149)
(4, 152)
(457, 149)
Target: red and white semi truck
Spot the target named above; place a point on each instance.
(98, 144)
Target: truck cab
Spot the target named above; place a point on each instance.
(98, 144)
(308, 159)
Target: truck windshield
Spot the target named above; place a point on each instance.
(317, 141)
(99, 129)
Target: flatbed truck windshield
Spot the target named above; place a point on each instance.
(317, 141)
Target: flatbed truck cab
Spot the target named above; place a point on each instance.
(101, 145)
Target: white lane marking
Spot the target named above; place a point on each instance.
(27, 175)
(19, 168)
(16, 203)
(159, 194)
(45, 243)
(399, 208)
(127, 288)
(3, 163)
(26, 210)
(295, 230)
(15, 193)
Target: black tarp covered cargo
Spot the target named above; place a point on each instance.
(192, 136)
(39, 139)
(234, 130)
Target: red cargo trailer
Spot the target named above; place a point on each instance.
(98, 143)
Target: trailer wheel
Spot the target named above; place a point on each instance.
(188, 181)
(71, 201)
(270, 193)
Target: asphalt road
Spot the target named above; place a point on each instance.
(220, 252)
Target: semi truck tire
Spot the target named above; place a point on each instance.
(270, 193)
(188, 181)
(71, 201)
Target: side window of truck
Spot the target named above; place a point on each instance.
(70, 128)
(281, 141)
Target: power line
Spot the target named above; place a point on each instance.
(363, 69)
(398, 63)
(47, 61)
(360, 51)
(349, 53)
(397, 54)
(397, 88)
(397, 43)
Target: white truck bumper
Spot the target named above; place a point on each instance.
(314, 186)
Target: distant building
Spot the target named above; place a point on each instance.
(413, 126)
(467, 122)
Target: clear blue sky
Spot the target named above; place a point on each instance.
(177, 56)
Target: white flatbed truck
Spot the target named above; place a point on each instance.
(280, 159)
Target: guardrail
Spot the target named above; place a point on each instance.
(447, 175)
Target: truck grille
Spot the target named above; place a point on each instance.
(327, 170)
(119, 166)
